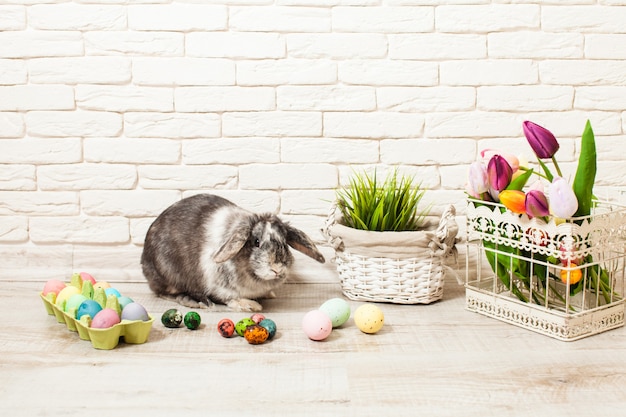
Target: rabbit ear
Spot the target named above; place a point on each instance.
(298, 240)
(235, 241)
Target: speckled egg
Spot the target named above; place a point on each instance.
(192, 320)
(369, 318)
(337, 309)
(226, 327)
(135, 311)
(172, 318)
(317, 325)
(270, 325)
(243, 324)
(256, 334)
(257, 317)
(105, 319)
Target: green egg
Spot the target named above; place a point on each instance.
(243, 324)
(192, 320)
(172, 318)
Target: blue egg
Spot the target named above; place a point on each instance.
(112, 291)
(270, 326)
(89, 308)
(124, 301)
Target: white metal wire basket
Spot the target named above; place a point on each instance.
(393, 267)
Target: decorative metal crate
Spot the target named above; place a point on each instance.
(563, 279)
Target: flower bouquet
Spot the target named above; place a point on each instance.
(555, 253)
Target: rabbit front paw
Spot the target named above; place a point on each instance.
(244, 304)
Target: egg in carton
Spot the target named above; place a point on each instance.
(115, 316)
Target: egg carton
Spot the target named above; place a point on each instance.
(133, 332)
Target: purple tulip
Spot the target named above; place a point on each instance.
(478, 182)
(536, 204)
(563, 201)
(542, 141)
(499, 173)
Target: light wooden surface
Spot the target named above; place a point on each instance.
(429, 360)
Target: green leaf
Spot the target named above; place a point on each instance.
(586, 172)
(519, 182)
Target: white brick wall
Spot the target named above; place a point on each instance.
(111, 111)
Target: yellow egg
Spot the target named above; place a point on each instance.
(102, 284)
(369, 318)
(64, 295)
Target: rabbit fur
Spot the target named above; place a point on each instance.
(205, 249)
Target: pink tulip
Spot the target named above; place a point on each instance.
(499, 173)
(563, 201)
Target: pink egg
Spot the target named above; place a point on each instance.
(317, 325)
(87, 277)
(105, 318)
(53, 285)
(257, 317)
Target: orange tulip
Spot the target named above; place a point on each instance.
(570, 274)
(514, 200)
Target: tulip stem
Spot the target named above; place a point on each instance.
(556, 165)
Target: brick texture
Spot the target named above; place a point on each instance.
(112, 110)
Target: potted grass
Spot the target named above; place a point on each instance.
(388, 247)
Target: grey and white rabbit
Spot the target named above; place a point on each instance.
(205, 249)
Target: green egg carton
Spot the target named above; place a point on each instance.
(133, 332)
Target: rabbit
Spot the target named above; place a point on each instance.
(205, 250)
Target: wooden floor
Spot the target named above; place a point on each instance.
(429, 360)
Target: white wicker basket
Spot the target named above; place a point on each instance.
(414, 271)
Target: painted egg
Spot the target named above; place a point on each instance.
(255, 334)
(226, 327)
(257, 317)
(54, 286)
(105, 319)
(124, 301)
(317, 325)
(369, 318)
(102, 284)
(172, 318)
(270, 326)
(337, 309)
(192, 320)
(65, 295)
(242, 324)
(135, 311)
(74, 302)
(87, 277)
(89, 308)
(112, 291)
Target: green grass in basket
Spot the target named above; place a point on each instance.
(390, 206)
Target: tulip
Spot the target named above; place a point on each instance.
(514, 200)
(571, 275)
(478, 182)
(511, 159)
(499, 173)
(563, 201)
(536, 204)
(542, 141)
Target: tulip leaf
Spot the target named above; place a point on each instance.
(549, 175)
(586, 172)
(520, 181)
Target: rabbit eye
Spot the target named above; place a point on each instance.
(257, 243)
